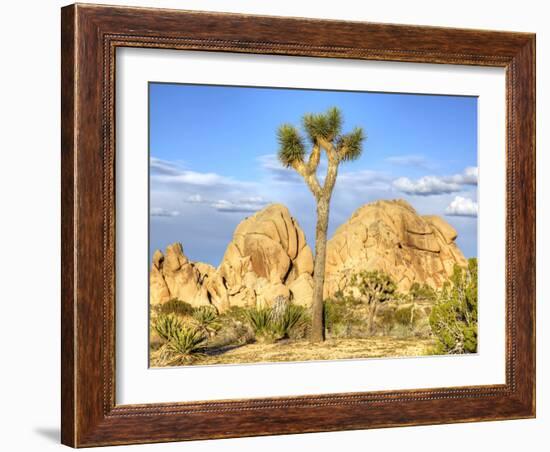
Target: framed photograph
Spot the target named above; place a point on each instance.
(282, 225)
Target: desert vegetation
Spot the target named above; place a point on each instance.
(368, 318)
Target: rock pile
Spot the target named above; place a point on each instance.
(269, 258)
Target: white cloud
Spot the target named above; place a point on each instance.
(425, 186)
(467, 177)
(159, 166)
(462, 207)
(436, 185)
(242, 205)
(160, 212)
(247, 204)
(165, 172)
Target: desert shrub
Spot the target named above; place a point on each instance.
(404, 316)
(453, 319)
(273, 324)
(386, 320)
(258, 318)
(166, 325)
(184, 345)
(206, 318)
(181, 343)
(341, 314)
(291, 323)
(335, 312)
(176, 306)
(422, 292)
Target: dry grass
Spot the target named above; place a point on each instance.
(372, 347)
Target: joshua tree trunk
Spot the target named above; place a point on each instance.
(317, 323)
(372, 315)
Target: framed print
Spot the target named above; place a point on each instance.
(282, 225)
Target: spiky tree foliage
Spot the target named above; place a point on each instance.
(454, 317)
(324, 132)
(375, 288)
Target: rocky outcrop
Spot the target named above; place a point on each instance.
(391, 237)
(268, 258)
(174, 276)
(268, 253)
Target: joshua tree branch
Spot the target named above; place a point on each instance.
(314, 158)
(309, 178)
(330, 150)
(330, 179)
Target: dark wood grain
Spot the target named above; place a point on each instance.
(90, 36)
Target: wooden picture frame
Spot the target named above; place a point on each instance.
(90, 36)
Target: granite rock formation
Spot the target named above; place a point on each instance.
(268, 258)
(390, 236)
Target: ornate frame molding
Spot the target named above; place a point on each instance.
(90, 36)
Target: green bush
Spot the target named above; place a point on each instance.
(342, 316)
(176, 306)
(404, 316)
(386, 320)
(422, 292)
(453, 319)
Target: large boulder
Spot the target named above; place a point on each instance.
(268, 252)
(390, 236)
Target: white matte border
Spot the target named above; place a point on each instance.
(136, 383)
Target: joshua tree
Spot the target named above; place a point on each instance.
(325, 134)
(375, 287)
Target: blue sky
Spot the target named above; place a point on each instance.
(213, 160)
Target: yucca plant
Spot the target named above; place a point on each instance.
(259, 320)
(166, 326)
(273, 324)
(291, 319)
(181, 343)
(206, 318)
(185, 344)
